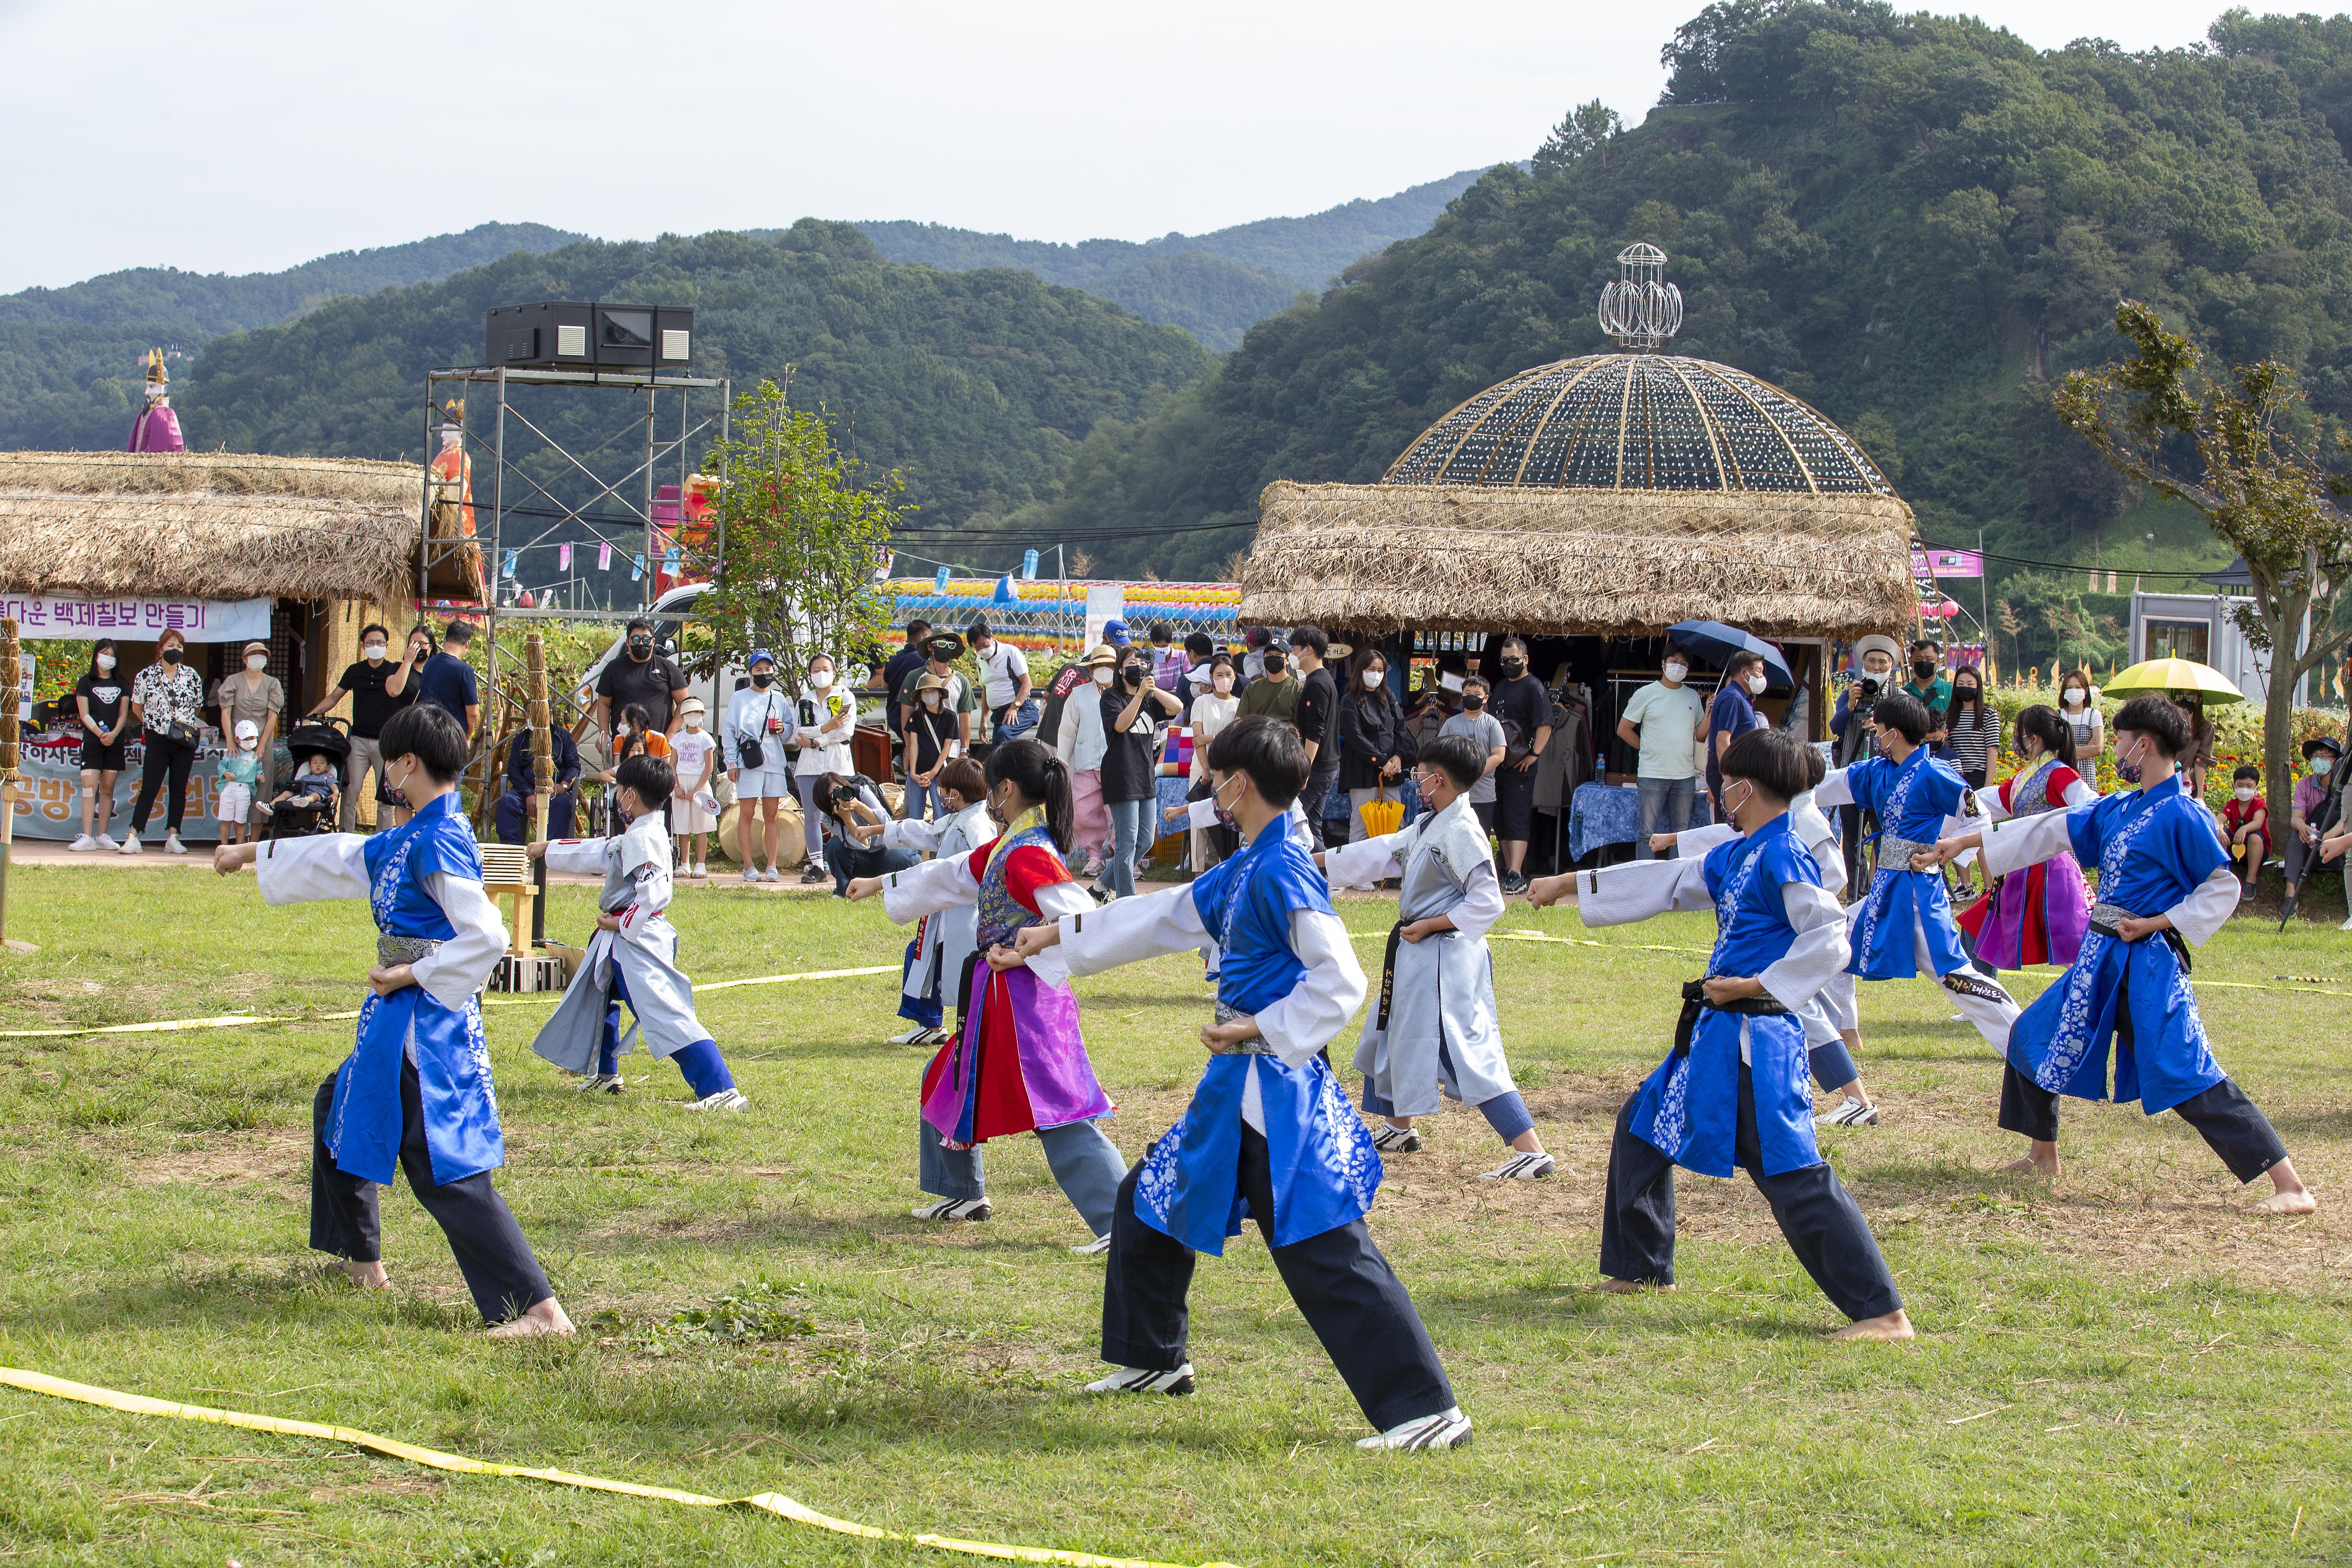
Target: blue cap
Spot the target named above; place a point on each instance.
(757, 654)
(1115, 633)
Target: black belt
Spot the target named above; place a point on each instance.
(1695, 1002)
(1388, 972)
(2103, 921)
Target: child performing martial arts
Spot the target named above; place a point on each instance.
(1018, 1062)
(633, 957)
(1433, 1026)
(1832, 1021)
(2165, 884)
(1903, 921)
(2038, 915)
(946, 940)
(416, 1090)
(1732, 1092)
(1269, 1133)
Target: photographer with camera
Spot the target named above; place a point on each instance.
(1131, 709)
(850, 809)
(1873, 675)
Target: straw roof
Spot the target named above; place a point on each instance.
(1568, 562)
(208, 525)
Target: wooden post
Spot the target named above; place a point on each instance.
(8, 756)
(542, 767)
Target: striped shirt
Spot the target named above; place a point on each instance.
(1975, 735)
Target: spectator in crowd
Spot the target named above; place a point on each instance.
(758, 723)
(2078, 704)
(1926, 681)
(1082, 741)
(2322, 754)
(902, 664)
(1169, 662)
(514, 807)
(693, 757)
(314, 784)
(1200, 651)
(958, 699)
(1275, 690)
(447, 682)
(932, 743)
(1316, 717)
(820, 722)
(2197, 762)
(1130, 765)
(1376, 749)
(1475, 724)
(2246, 825)
(1523, 705)
(1252, 659)
(1212, 710)
(1004, 672)
(1973, 726)
(253, 696)
(1665, 723)
(641, 676)
(167, 698)
(848, 804)
(380, 686)
(1732, 715)
(99, 702)
(239, 775)
(1874, 658)
(1116, 634)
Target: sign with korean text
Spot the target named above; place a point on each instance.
(72, 616)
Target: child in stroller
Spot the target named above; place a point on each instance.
(312, 796)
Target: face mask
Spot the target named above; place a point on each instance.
(1923, 668)
(171, 655)
(640, 646)
(257, 662)
(1223, 683)
(2320, 766)
(997, 813)
(105, 661)
(1472, 700)
(819, 679)
(1964, 694)
(248, 745)
(764, 680)
(1730, 811)
(1676, 671)
(1226, 812)
(1274, 663)
(1756, 684)
(930, 700)
(1373, 679)
(694, 721)
(2072, 697)
(1102, 676)
(620, 732)
(1514, 668)
(2244, 792)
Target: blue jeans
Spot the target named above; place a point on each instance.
(1665, 807)
(911, 808)
(1128, 838)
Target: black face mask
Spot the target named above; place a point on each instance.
(1923, 668)
(1514, 668)
(640, 646)
(763, 682)
(1472, 702)
(1274, 663)
(171, 655)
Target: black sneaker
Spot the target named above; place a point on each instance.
(1514, 883)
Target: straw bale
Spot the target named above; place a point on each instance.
(1569, 562)
(219, 473)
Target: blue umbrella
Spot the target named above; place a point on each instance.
(1715, 642)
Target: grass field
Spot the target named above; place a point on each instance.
(2127, 1367)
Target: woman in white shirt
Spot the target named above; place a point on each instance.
(1212, 708)
(2078, 704)
(761, 717)
(822, 722)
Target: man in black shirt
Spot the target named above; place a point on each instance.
(902, 664)
(1319, 701)
(379, 688)
(1524, 706)
(642, 677)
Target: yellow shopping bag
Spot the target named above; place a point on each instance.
(1381, 815)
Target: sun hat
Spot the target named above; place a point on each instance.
(1102, 654)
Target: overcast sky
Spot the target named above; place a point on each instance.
(246, 135)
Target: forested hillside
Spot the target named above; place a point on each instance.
(979, 384)
(69, 357)
(1915, 222)
(1214, 285)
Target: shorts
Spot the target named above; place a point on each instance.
(101, 758)
(235, 804)
(765, 784)
(684, 816)
(1514, 803)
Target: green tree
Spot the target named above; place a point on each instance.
(1587, 128)
(2244, 452)
(803, 536)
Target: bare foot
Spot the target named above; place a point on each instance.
(1894, 1325)
(2043, 1161)
(546, 1318)
(367, 1276)
(1631, 1286)
(2298, 1200)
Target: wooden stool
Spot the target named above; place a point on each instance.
(506, 877)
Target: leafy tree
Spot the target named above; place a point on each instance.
(802, 537)
(1587, 128)
(2243, 452)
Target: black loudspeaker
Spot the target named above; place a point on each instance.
(567, 334)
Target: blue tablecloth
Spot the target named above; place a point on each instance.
(1602, 814)
(1172, 799)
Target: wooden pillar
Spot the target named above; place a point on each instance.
(542, 766)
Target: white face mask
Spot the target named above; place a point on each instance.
(105, 661)
(2072, 697)
(930, 700)
(1675, 672)
(819, 679)
(1756, 683)
(1730, 811)
(248, 745)
(1102, 677)
(2244, 792)
(694, 721)
(2320, 766)
(1223, 682)
(373, 652)
(620, 732)
(257, 662)
(1373, 679)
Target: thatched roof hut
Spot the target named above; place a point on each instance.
(208, 525)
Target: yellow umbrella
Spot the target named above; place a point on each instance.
(2173, 675)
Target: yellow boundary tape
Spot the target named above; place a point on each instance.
(769, 1502)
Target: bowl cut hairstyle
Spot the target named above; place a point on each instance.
(432, 735)
(1773, 761)
(1312, 637)
(1269, 750)
(652, 777)
(1462, 760)
(964, 776)
(2156, 717)
(1903, 714)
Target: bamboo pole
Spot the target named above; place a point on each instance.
(542, 767)
(9, 750)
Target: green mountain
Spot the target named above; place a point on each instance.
(979, 384)
(1216, 285)
(1915, 221)
(69, 357)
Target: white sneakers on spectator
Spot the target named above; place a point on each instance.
(750, 875)
(728, 1099)
(972, 1209)
(83, 844)
(131, 845)
(1140, 1380)
(1447, 1429)
(1523, 1167)
(172, 845)
(702, 871)
(106, 841)
(1852, 1113)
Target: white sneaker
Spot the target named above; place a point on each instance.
(610, 1082)
(106, 841)
(750, 875)
(1522, 1167)
(131, 845)
(83, 844)
(702, 871)
(1137, 1379)
(773, 876)
(725, 1100)
(1099, 1246)
(1396, 1139)
(1448, 1429)
(972, 1209)
(911, 1036)
(172, 845)
(1852, 1113)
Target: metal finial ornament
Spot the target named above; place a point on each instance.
(1641, 310)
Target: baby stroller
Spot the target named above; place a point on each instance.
(312, 738)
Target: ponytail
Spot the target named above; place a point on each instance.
(1042, 779)
(2056, 735)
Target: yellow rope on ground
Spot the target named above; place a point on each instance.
(769, 1502)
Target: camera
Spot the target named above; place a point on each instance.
(1868, 686)
(843, 795)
